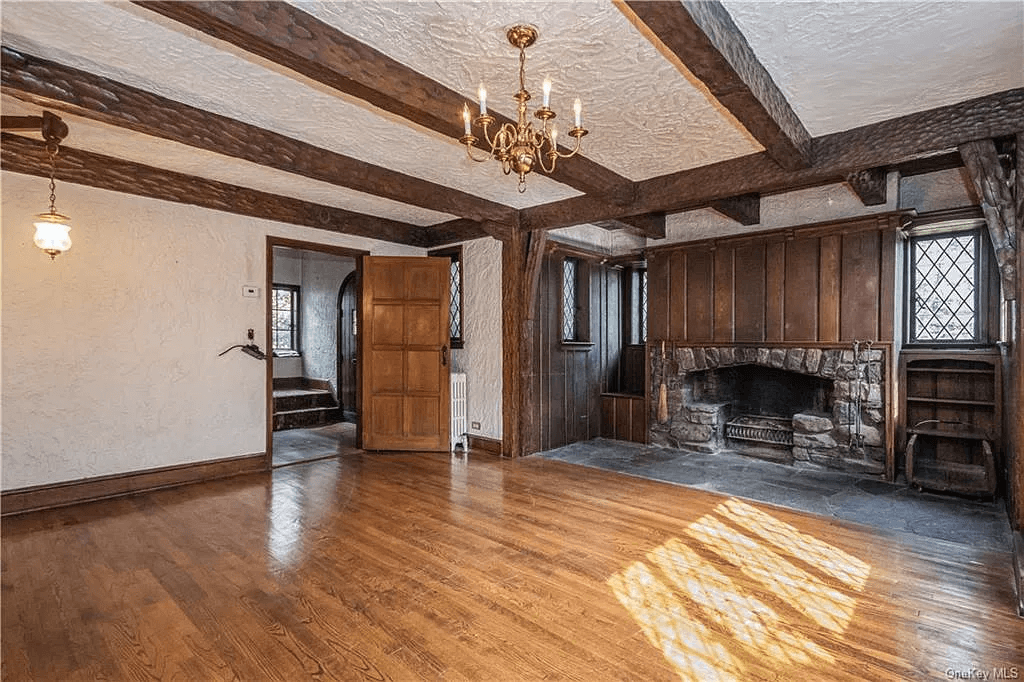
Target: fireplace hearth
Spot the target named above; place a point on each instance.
(817, 405)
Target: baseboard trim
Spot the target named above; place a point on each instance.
(484, 444)
(1018, 570)
(53, 495)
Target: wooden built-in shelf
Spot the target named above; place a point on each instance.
(952, 418)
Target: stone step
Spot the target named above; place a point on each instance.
(299, 399)
(305, 418)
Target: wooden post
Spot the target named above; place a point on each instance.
(997, 203)
(1017, 364)
(522, 256)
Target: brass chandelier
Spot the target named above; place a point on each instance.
(521, 148)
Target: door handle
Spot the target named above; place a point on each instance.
(444, 355)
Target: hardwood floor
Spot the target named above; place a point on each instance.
(418, 566)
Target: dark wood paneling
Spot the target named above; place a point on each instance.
(571, 377)
(725, 289)
(750, 292)
(801, 289)
(678, 302)
(699, 295)
(815, 284)
(828, 289)
(623, 417)
(658, 308)
(103, 487)
(775, 283)
(860, 286)
(480, 444)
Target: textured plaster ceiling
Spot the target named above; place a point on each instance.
(840, 64)
(846, 64)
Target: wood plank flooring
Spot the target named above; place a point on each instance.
(419, 566)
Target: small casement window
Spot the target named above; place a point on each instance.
(575, 322)
(455, 293)
(947, 299)
(285, 320)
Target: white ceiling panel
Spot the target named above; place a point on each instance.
(847, 64)
(645, 118)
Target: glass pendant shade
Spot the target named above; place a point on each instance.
(52, 233)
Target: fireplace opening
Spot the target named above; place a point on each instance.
(762, 391)
(759, 404)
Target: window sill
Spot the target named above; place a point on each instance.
(287, 354)
(574, 346)
(456, 344)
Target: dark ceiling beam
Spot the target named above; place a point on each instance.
(890, 142)
(744, 208)
(869, 185)
(651, 225)
(285, 35)
(705, 39)
(49, 84)
(454, 231)
(23, 155)
(929, 164)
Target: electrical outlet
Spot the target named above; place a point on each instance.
(250, 292)
(474, 425)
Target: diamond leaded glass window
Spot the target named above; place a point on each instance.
(642, 328)
(455, 292)
(455, 300)
(944, 281)
(570, 298)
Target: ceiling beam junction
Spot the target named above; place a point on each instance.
(744, 208)
(710, 45)
(869, 185)
(288, 36)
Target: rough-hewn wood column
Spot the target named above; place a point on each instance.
(993, 187)
(1017, 378)
(521, 257)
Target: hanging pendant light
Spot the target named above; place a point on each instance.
(51, 227)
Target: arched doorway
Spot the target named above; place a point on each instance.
(348, 328)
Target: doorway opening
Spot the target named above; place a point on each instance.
(312, 379)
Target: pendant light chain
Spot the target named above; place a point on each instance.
(52, 149)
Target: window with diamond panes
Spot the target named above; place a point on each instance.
(944, 283)
(570, 299)
(285, 319)
(638, 298)
(455, 293)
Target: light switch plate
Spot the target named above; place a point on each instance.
(474, 425)
(250, 292)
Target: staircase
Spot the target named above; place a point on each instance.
(301, 403)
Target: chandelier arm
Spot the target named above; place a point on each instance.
(469, 153)
(571, 154)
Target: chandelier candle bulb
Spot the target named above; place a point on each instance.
(465, 118)
(483, 100)
(547, 91)
(577, 110)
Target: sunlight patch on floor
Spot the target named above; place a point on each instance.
(736, 593)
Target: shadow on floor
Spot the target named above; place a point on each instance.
(305, 445)
(870, 501)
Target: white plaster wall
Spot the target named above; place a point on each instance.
(109, 356)
(480, 358)
(322, 276)
(790, 209)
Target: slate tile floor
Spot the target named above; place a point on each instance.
(305, 445)
(870, 501)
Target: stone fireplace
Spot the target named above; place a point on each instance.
(819, 405)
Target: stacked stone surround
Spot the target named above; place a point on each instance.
(824, 439)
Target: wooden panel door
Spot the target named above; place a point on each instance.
(404, 338)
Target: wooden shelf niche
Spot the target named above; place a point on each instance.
(952, 416)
